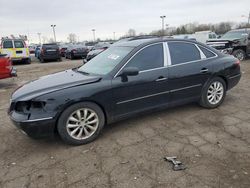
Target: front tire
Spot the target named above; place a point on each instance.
(213, 94)
(81, 123)
(239, 54)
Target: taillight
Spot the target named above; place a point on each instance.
(42, 51)
(237, 62)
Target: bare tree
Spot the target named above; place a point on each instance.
(51, 40)
(131, 33)
(44, 39)
(72, 38)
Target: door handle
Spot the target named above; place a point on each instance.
(161, 78)
(204, 70)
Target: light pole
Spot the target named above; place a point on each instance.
(93, 34)
(162, 21)
(248, 21)
(39, 36)
(53, 27)
(114, 35)
(167, 28)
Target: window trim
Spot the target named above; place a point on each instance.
(164, 65)
(197, 46)
(215, 55)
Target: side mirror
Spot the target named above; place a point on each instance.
(85, 61)
(129, 71)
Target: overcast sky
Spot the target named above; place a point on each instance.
(107, 16)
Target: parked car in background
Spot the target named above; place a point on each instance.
(235, 42)
(204, 36)
(126, 79)
(50, 52)
(32, 49)
(16, 49)
(6, 69)
(63, 49)
(184, 36)
(76, 51)
(97, 49)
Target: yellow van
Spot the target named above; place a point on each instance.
(16, 49)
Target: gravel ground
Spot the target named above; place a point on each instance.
(213, 144)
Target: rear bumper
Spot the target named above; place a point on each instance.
(36, 128)
(80, 54)
(20, 59)
(50, 56)
(233, 80)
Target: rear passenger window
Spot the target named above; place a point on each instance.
(18, 44)
(149, 58)
(181, 52)
(7, 44)
(206, 52)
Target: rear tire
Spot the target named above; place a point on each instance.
(41, 60)
(81, 123)
(239, 54)
(213, 94)
(28, 61)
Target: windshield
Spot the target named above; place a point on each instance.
(234, 35)
(106, 61)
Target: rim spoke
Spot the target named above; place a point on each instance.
(72, 125)
(90, 116)
(78, 113)
(85, 113)
(90, 127)
(73, 119)
(74, 131)
(93, 121)
(86, 131)
(209, 91)
(80, 133)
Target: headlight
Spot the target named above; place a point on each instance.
(27, 106)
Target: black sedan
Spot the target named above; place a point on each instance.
(127, 79)
(76, 51)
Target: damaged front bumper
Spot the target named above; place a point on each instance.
(35, 128)
(227, 51)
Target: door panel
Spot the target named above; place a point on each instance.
(187, 80)
(144, 91)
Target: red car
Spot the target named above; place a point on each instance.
(6, 69)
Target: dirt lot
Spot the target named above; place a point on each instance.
(213, 144)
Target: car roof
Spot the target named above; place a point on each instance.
(142, 42)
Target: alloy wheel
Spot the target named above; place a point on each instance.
(82, 123)
(215, 93)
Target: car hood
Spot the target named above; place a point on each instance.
(224, 40)
(51, 83)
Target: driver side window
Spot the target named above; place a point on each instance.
(150, 57)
